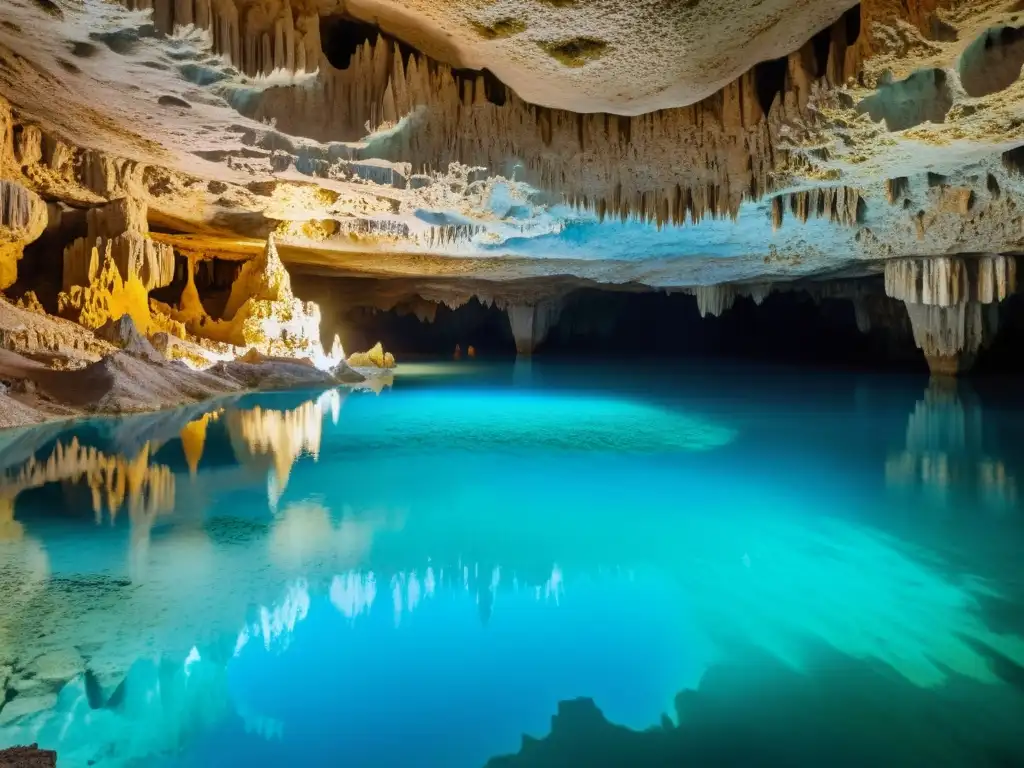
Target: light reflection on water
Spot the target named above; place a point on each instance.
(436, 568)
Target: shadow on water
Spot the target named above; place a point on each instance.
(853, 713)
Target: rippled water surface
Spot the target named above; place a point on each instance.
(524, 566)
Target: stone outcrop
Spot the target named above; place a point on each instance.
(27, 757)
(123, 334)
(952, 303)
(374, 357)
(122, 227)
(23, 218)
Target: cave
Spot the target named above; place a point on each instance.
(533, 383)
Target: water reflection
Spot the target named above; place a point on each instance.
(496, 552)
(272, 440)
(946, 449)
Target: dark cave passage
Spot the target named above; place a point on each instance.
(788, 327)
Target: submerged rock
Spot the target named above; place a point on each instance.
(27, 757)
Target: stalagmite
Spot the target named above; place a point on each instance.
(121, 228)
(531, 323)
(952, 304)
(107, 296)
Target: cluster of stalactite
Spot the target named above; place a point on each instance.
(840, 205)
(255, 41)
(116, 482)
(952, 303)
(703, 159)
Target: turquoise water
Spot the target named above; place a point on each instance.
(524, 566)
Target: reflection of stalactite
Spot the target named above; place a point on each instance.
(944, 448)
(193, 438)
(275, 439)
(115, 481)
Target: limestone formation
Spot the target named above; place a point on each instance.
(714, 299)
(531, 323)
(122, 224)
(374, 357)
(261, 312)
(952, 304)
(107, 296)
(22, 219)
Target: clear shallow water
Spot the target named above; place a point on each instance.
(768, 568)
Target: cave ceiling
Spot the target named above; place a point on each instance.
(655, 142)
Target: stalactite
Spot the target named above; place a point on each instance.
(896, 189)
(531, 323)
(841, 205)
(254, 43)
(709, 156)
(951, 303)
(714, 299)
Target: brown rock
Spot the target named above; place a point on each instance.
(27, 757)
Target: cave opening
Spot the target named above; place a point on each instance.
(770, 81)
